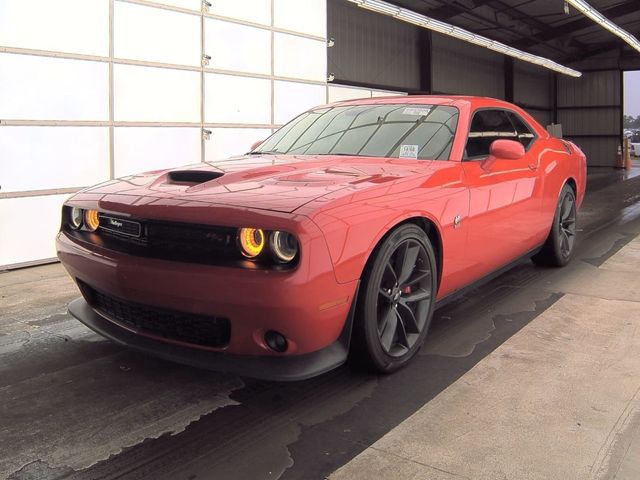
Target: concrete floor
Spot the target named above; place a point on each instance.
(560, 399)
(529, 376)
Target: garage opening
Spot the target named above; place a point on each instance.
(632, 113)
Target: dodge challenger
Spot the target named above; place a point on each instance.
(339, 234)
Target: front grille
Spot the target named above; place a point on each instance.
(179, 242)
(172, 241)
(201, 330)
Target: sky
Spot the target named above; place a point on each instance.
(632, 93)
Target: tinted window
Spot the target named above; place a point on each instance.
(392, 131)
(525, 134)
(486, 127)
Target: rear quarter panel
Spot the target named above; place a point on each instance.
(561, 162)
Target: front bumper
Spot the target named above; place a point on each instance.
(307, 305)
(273, 368)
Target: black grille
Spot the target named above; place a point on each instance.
(180, 242)
(192, 243)
(184, 327)
(174, 241)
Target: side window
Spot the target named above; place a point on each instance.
(525, 134)
(486, 127)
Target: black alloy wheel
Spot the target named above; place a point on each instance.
(396, 303)
(567, 225)
(560, 244)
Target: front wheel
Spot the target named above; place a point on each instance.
(559, 247)
(397, 299)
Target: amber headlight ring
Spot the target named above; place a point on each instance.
(91, 220)
(251, 241)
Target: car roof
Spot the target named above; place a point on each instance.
(455, 100)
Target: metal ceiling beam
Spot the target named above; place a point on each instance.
(447, 12)
(581, 23)
(597, 50)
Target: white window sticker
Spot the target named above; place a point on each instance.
(409, 151)
(420, 112)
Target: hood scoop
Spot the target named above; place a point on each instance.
(191, 177)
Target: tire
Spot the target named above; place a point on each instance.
(559, 248)
(396, 300)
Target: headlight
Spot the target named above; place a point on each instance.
(284, 246)
(251, 241)
(75, 218)
(91, 220)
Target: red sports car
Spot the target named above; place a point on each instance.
(342, 231)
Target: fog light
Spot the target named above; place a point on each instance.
(276, 341)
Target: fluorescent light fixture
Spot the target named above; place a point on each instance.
(423, 21)
(587, 10)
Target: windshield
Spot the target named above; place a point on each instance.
(391, 131)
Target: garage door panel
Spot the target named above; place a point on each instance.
(291, 99)
(298, 57)
(22, 239)
(309, 16)
(141, 149)
(232, 99)
(73, 90)
(251, 50)
(148, 94)
(256, 11)
(39, 158)
(140, 33)
(71, 26)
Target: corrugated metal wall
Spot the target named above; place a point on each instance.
(589, 110)
(533, 90)
(462, 68)
(372, 49)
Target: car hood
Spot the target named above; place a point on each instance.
(280, 183)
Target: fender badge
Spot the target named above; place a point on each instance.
(456, 221)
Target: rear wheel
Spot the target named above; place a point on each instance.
(559, 247)
(397, 299)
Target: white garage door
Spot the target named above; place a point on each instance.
(96, 89)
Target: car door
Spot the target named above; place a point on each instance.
(505, 209)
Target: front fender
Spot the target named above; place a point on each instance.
(353, 231)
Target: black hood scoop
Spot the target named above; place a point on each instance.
(192, 177)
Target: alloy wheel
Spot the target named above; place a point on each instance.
(567, 225)
(404, 298)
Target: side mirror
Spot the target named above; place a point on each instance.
(256, 145)
(503, 150)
